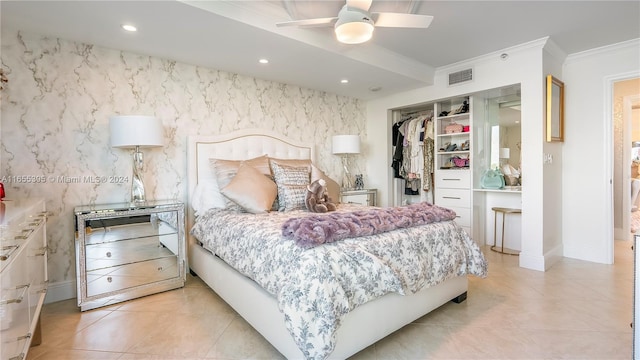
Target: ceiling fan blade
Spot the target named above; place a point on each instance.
(359, 4)
(307, 23)
(401, 20)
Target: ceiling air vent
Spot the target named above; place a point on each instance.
(460, 76)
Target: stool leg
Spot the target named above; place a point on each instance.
(503, 221)
(495, 225)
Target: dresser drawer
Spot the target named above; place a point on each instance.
(463, 216)
(451, 198)
(131, 275)
(458, 179)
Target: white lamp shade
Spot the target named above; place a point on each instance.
(504, 153)
(346, 144)
(135, 130)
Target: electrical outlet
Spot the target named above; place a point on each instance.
(547, 158)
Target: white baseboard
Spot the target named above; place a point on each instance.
(541, 263)
(59, 291)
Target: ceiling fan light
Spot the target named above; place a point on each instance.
(354, 32)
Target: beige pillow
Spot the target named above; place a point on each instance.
(225, 170)
(333, 188)
(289, 197)
(251, 189)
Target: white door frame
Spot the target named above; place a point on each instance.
(608, 151)
(627, 108)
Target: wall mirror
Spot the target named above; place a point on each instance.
(555, 109)
(499, 140)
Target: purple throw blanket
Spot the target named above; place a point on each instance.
(315, 230)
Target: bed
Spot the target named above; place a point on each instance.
(257, 304)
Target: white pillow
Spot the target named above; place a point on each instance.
(207, 196)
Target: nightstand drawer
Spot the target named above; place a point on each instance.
(362, 197)
(453, 198)
(459, 179)
(126, 252)
(131, 275)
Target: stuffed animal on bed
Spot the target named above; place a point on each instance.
(317, 199)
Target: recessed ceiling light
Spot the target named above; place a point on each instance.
(344, 81)
(129, 27)
(263, 61)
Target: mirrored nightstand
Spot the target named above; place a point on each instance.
(362, 197)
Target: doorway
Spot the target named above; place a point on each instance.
(626, 131)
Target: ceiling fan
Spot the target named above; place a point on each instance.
(355, 24)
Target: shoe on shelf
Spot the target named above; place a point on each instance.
(445, 146)
(465, 146)
(451, 147)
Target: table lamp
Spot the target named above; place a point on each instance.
(346, 146)
(136, 132)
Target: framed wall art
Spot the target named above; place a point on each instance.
(555, 109)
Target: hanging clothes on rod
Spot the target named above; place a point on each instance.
(411, 136)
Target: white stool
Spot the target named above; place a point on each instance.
(504, 212)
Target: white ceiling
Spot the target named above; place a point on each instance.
(233, 35)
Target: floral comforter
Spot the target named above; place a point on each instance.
(316, 287)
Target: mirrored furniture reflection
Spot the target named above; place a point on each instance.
(23, 274)
(363, 197)
(125, 251)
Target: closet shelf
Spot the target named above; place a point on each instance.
(453, 152)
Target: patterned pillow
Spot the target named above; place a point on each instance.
(292, 197)
(289, 196)
(251, 189)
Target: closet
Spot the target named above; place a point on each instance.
(431, 156)
(464, 136)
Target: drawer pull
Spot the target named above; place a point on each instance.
(6, 256)
(17, 300)
(458, 216)
(160, 268)
(451, 197)
(109, 279)
(452, 179)
(108, 253)
(43, 253)
(25, 234)
(26, 336)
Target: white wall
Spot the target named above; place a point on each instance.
(587, 150)
(524, 65)
(60, 95)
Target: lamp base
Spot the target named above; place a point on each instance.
(137, 186)
(347, 181)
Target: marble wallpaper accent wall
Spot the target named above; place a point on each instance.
(55, 113)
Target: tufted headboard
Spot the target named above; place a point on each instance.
(237, 145)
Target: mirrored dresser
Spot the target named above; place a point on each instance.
(125, 251)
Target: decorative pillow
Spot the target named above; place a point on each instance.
(291, 163)
(333, 188)
(292, 197)
(251, 189)
(207, 196)
(225, 170)
(288, 175)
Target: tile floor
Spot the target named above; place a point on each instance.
(576, 310)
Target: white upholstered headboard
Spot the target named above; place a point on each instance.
(237, 145)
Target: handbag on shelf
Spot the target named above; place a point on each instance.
(492, 179)
(453, 128)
